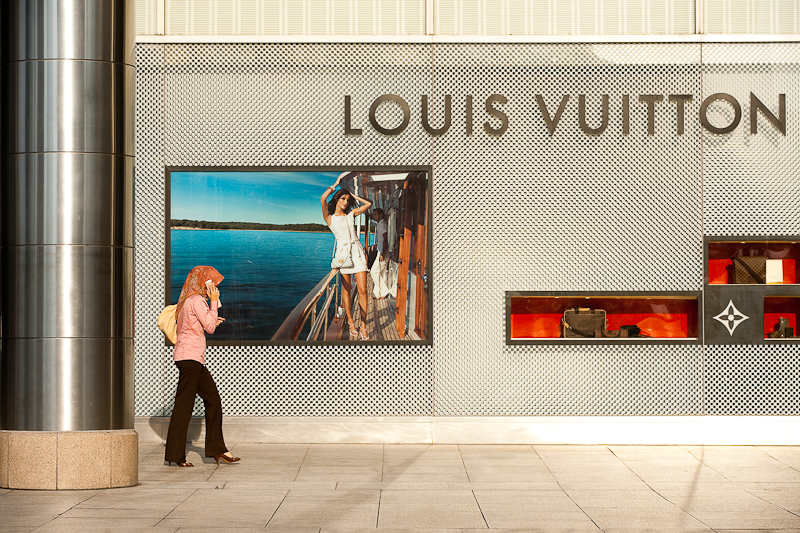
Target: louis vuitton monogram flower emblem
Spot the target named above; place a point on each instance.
(731, 317)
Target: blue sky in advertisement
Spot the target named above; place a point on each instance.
(263, 197)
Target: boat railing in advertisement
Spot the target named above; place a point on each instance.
(293, 324)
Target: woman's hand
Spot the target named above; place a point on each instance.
(324, 197)
(332, 188)
(213, 292)
(361, 200)
(365, 205)
(220, 320)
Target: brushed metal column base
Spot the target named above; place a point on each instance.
(69, 460)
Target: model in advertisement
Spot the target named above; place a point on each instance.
(339, 214)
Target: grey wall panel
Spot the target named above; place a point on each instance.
(567, 212)
(753, 380)
(149, 228)
(262, 105)
(752, 182)
(316, 381)
(752, 187)
(232, 105)
(565, 381)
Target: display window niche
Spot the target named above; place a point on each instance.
(775, 260)
(617, 317)
(780, 318)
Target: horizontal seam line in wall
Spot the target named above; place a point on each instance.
(58, 59)
(690, 38)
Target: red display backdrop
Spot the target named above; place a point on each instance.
(720, 254)
(776, 307)
(539, 317)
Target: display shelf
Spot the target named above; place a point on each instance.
(535, 317)
(720, 252)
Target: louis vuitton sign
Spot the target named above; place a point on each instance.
(493, 119)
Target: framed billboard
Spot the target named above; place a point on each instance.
(265, 230)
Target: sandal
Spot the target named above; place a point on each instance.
(226, 458)
(353, 332)
(363, 333)
(184, 465)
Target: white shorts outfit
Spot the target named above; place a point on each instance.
(344, 228)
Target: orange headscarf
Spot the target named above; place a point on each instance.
(196, 284)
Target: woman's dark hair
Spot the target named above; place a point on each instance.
(333, 201)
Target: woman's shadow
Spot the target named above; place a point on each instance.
(193, 442)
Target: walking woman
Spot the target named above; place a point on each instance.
(195, 317)
(339, 215)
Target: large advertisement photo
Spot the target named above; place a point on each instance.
(308, 255)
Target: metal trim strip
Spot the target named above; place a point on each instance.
(465, 39)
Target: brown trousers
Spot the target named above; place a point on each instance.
(194, 379)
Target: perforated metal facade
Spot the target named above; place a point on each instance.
(752, 187)
(751, 181)
(149, 229)
(517, 212)
(752, 380)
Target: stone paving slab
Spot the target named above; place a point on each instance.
(290, 488)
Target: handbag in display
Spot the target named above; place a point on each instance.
(624, 332)
(342, 258)
(583, 322)
(782, 330)
(632, 330)
(749, 270)
(168, 323)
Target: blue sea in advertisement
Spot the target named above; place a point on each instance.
(267, 273)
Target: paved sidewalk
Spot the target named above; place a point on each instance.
(369, 487)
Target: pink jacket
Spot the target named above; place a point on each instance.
(194, 318)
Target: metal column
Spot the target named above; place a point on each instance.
(66, 205)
